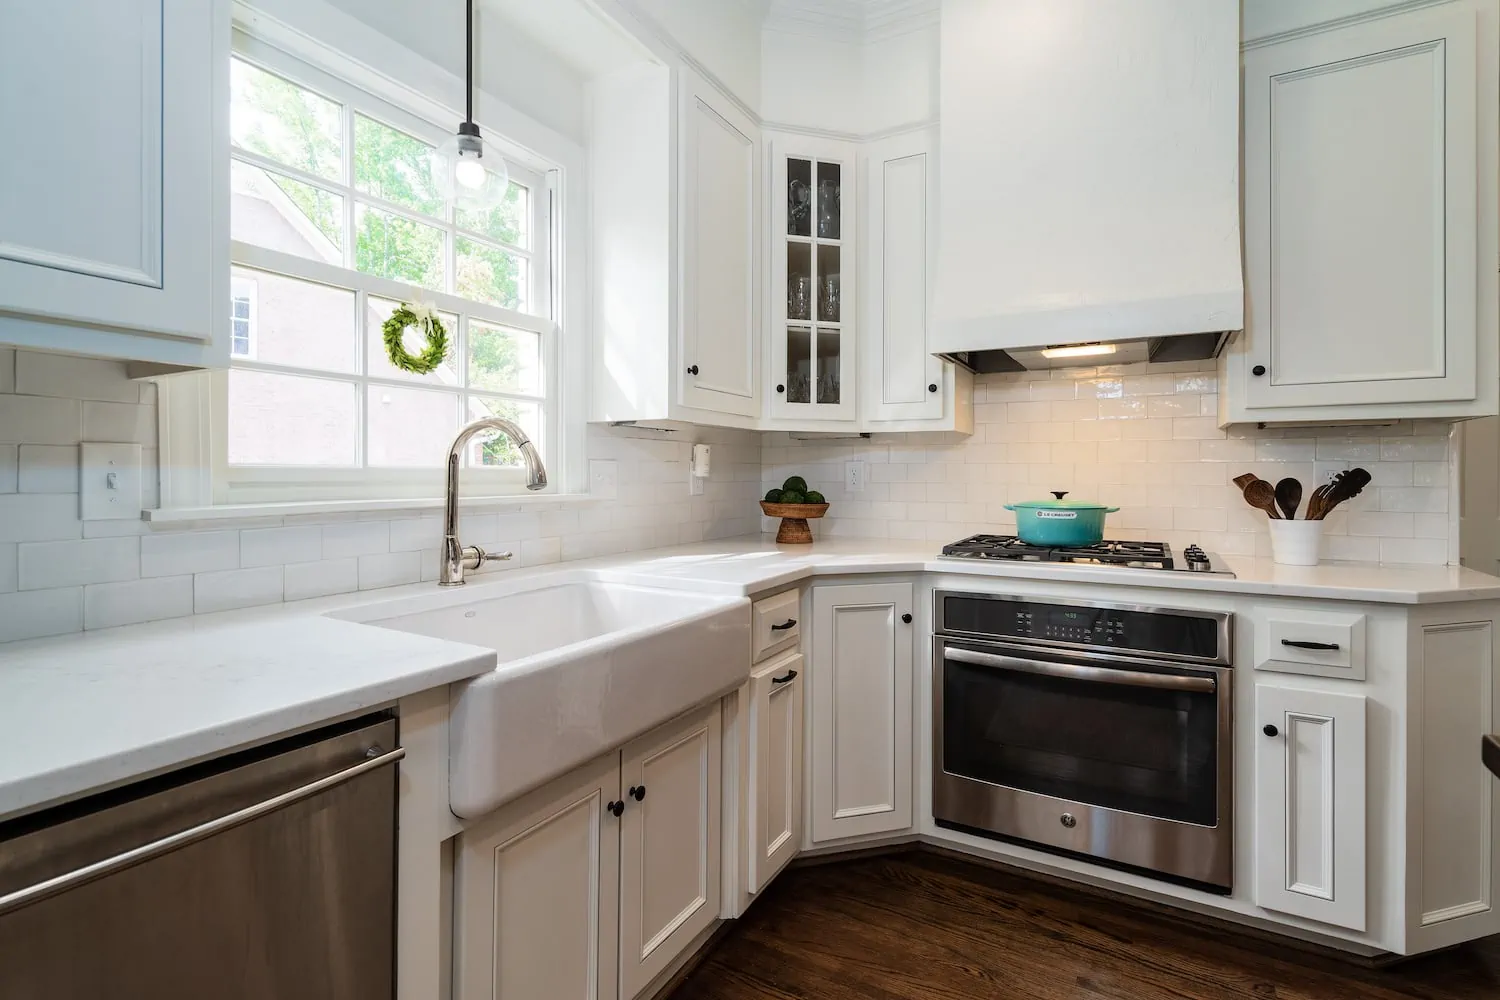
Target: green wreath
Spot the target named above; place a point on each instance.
(395, 349)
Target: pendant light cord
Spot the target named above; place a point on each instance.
(469, 64)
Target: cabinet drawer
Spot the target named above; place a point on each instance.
(1322, 643)
(774, 625)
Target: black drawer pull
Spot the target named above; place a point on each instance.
(789, 623)
(1270, 730)
(616, 809)
(791, 675)
(1305, 644)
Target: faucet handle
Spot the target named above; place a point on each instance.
(474, 557)
(499, 556)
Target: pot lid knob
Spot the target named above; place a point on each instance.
(1059, 493)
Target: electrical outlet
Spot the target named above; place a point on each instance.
(854, 477)
(695, 483)
(604, 479)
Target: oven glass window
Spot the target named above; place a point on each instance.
(1135, 749)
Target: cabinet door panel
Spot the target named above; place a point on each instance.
(721, 316)
(1361, 205)
(669, 846)
(537, 894)
(902, 175)
(114, 186)
(775, 814)
(862, 711)
(1310, 805)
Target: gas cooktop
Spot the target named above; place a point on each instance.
(1131, 555)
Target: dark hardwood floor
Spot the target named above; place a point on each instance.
(920, 926)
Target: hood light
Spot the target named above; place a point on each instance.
(1079, 351)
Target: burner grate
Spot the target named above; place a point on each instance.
(1145, 555)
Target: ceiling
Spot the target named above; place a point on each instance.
(572, 31)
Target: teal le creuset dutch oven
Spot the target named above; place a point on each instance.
(1060, 522)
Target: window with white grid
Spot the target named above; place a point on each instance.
(335, 221)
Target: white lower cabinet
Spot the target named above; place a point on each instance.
(1310, 804)
(669, 845)
(774, 795)
(536, 894)
(861, 717)
(588, 888)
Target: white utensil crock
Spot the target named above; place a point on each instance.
(1296, 543)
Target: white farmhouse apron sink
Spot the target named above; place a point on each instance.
(584, 666)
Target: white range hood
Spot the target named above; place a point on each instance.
(1090, 177)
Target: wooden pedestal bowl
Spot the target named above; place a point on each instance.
(794, 518)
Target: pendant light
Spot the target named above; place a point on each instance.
(469, 173)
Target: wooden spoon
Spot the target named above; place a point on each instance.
(1288, 497)
(1262, 496)
(1245, 480)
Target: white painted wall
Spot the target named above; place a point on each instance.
(722, 35)
(509, 63)
(852, 85)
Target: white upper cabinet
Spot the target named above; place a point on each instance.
(813, 288)
(720, 170)
(675, 210)
(114, 181)
(1370, 221)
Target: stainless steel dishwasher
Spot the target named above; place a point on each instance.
(265, 874)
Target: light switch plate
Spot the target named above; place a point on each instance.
(110, 482)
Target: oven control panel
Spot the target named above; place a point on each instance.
(1188, 634)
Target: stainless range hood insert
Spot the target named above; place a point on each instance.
(1180, 347)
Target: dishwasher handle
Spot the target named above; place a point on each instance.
(1079, 672)
(176, 841)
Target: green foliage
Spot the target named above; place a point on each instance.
(792, 496)
(813, 496)
(773, 496)
(432, 356)
(795, 484)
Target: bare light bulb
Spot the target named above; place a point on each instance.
(469, 173)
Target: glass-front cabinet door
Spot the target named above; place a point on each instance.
(813, 369)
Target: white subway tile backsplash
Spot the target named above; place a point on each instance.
(128, 422)
(9, 468)
(389, 569)
(1414, 449)
(319, 579)
(48, 468)
(357, 538)
(31, 614)
(39, 517)
(39, 374)
(8, 567)
(278, 546)
(107, 605)
(180, 552)
(47, 565)
(7, 369)
(40, 420)
(236, 588)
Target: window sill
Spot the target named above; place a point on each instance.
(250, 511)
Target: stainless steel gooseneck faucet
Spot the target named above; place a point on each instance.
(456, 556)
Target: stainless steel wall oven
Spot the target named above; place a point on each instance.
(1099, 730)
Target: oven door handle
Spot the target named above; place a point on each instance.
(1078, 672)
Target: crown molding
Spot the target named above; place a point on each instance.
(852, 21)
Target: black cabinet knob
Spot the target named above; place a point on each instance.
(638, 792)
(781, 388)
(932, 387)
(1258, 370)
(692, 369)
(617, 809)
(1270, 730)
(906, 618)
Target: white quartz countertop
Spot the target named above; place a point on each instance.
(104, 708)
(86, 712)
